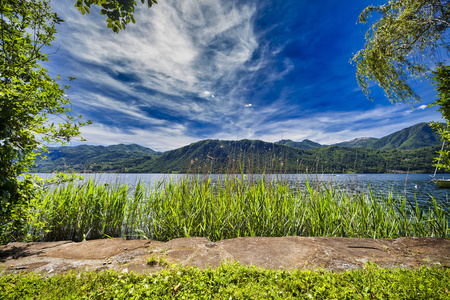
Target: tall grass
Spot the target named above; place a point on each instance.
(228, 208)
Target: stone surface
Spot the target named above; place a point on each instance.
(337, 254)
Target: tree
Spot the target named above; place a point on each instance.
(33, 106)
(28, 96)
(441, 79)
(409, 40)
(119, 12)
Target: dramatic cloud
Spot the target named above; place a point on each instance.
(196, 69)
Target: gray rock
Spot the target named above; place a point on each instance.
(290, 252)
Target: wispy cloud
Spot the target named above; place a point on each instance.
(163, 139)
(184, 58)
(177, 48)
(195, 69)
(329, 127)
(117, 109)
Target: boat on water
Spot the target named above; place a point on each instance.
(443, 183)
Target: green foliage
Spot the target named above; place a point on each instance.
(215, 156)
(408, 36)
(233, 281)
(409, 39)
(118, 12)
(29, 101)
(364, 142)
(442, 83)
(305, 144)
(233, 207)
(86, 158)
(414, 137)
(255, 156)
(157, 261)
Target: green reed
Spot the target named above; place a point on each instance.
(229, 208)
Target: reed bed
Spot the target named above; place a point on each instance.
(228, 208)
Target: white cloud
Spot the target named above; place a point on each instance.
(174, 47)
(165, 138)
(323, 127)
(174, 52)
(119, 107)
(193, 61)
(422, 107)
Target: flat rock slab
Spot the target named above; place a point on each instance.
(290, 252)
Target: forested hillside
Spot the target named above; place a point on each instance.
(414, 137)
(217, 156)
(305, 144)
(409, 150)
(92, 158)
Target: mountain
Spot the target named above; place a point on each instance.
(411, 149)
(364, 142)
(249, 156)
(93, 158)
(218, 156)
(305, 144)
(414, 137)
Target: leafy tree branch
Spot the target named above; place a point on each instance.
(30, 98)
(405, 42)
(408, 40)
(118, 12)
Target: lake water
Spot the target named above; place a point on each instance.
(411, 185)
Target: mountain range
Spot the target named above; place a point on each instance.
(409, 150)
(414, 137)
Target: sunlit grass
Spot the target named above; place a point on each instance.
(232, 281)
(232, 207)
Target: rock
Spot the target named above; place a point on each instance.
(289, 252)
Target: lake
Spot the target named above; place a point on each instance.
(411, 185)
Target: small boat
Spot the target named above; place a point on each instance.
(443, 183)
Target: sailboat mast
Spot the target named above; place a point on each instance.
(439, 160)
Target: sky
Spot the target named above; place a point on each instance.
(225, 69)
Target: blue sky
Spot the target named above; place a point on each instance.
(211, 69)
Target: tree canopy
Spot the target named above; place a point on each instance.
(441, 79)
(408, 40)
(34, 107)
(28, 96)
(118, 12)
